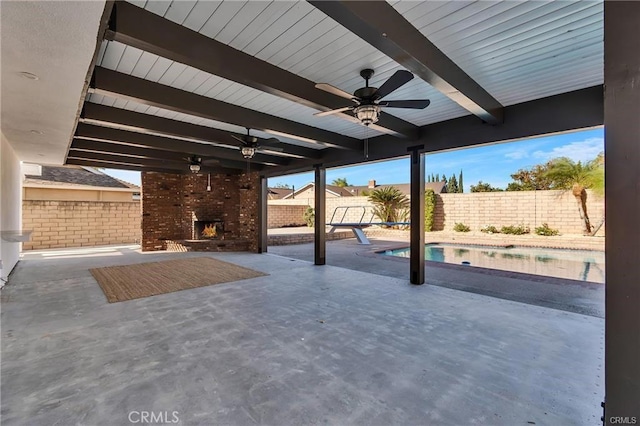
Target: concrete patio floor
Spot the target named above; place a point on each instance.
(304, 345)
(569, 295)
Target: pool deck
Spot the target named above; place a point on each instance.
(568, 241)
(581, 297)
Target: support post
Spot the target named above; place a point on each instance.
(262, 216)
(622, 205)
(320, 219)
(417, 215)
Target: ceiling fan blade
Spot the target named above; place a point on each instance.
(211, 161)
(271, 148)
(333, 111)
(413, 104)
(396, 81)
(238, 138)
(332, 89)
(271, 140)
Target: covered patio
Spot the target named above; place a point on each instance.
(304, 345)
(210, 99)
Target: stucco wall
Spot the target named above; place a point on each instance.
(10, 203)
(57, 224)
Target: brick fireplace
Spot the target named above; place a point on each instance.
(180, 214)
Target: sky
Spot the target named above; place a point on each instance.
(491, 164)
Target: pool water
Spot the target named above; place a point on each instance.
(582, 265)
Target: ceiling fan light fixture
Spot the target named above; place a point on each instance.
(367, 114)
(248, 152)
(195, 168)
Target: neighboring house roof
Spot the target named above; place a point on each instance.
(278, 193)
(75, 175)
(332, 189)
(405, 188)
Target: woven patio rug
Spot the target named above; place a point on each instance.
(120, 283)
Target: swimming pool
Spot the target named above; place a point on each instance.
(583, 265)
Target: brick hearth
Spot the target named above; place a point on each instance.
(172, 202)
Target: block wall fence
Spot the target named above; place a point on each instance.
(530, 208)
(59, 224)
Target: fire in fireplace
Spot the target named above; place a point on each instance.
(208, 229)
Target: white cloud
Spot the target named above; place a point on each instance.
(517, 155)
(583, 151)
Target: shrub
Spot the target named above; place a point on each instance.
(546, 231)
(461, 227)
(309, 216)
(388, 203)
(429, 209)
(490, 229)
(515, 230)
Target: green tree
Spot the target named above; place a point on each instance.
(437, 178)
(341, 182)
(566, 174)
(452, 185)
(484, 187)
(460, 184)
(389, 204)
(531, 179)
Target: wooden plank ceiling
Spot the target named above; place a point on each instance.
(179, 78)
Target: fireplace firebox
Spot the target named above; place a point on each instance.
(208, 229)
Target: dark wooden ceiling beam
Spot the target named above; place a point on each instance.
(122, 117)
(123, 166)
(144, 162)
(123, 86)
(567, 112)
(147, 31)
(380, 25)
(107, 134)
(136, 151)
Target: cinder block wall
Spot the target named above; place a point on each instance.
(558, 209)
(477, 210)
(284, 215)
(58, 224)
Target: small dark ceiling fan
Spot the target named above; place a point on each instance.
(369, 99)
(251, 144)
(196, 162)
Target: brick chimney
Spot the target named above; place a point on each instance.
(372, 184)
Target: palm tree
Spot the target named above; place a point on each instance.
(389, 203)
(578, 177)
(341, 182)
